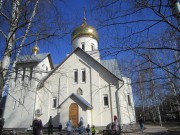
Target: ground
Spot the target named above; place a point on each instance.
(169, 128)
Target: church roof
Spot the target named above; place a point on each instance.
(81, 99)
(34, 58)
(84, 30)
(112, 66)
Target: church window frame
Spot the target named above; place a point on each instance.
(129, 100)
(79, 91)
(31, 73)
(83, 75)
(23, 100)
(23, 74)
(19, 102)
(16, 74)
(54, 102)
(83, 46)
(92, 47)
(14, 105)
(75, 76)
(105, 100)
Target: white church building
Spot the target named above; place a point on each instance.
(82, 85)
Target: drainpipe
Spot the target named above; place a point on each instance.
(118, 105)
(58, 109)
(91, 97)
(34, 107)
(110, 102)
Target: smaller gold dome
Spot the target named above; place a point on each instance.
(35, 49)
(84, 30)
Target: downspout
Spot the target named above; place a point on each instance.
(110, 102)
(58, 109)
(36, 89)
(91, 96)
(118, 105)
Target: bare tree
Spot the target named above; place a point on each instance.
(21, 23)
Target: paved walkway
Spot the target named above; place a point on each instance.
(149, 130)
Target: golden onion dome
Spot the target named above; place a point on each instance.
(84, 30)
(35, 49)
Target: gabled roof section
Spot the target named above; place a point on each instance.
(112, 66)
(43, 80)
(35, 58)
(81, 99)
(32, 58)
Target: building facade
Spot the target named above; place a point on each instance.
(82, 85)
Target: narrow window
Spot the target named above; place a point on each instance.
(14, 106)
(23, 75)
(54, 102)
(31, 72)
(83, 75)
(23, 99)
(19, 102)
(129, 100)
(106, 102)
(79, 91)
(92, 47)
(83, 46)
(16, 74)
(75, 76)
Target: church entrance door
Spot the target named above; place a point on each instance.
(73, 114)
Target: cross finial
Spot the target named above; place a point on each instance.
(84, 20)
(35, 48)
(37, 38)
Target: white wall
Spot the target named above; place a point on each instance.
(22, 114)
(88, 41)
(97, 84)
(127, 111)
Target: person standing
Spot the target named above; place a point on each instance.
(115, 124)
(40, 127)
(69, 127)
(141, 122)
(81, 127)
(88, 129)
(1, 125)
(93, 130)
(60, 127)
(50, 129)
(35, 126)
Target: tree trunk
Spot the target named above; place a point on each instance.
(10, 38)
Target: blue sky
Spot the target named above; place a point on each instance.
(73, 12)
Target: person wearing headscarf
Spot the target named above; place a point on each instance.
(69, 127)
(81, 126)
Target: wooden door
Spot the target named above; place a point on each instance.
(73, 114)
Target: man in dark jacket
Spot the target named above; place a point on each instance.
(50, 129)
(1, 125)
(35, 126)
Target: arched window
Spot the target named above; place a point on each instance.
(83, 45)
(92, 47)
(79, 91)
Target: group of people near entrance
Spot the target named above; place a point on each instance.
(81, 128)
(38, 126)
